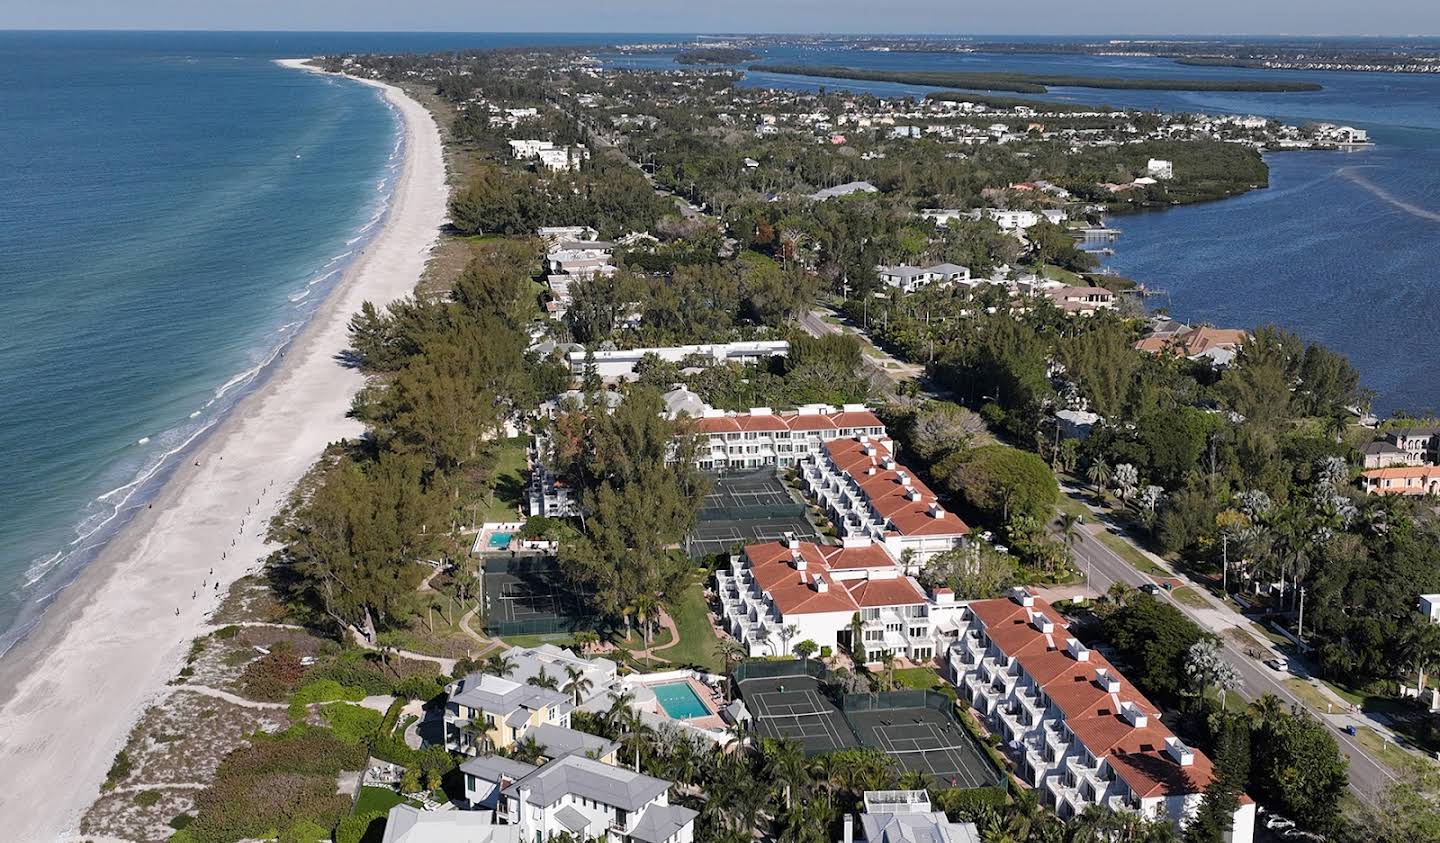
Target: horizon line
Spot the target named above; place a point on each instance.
(714, 33)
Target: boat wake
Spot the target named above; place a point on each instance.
(1389, 198)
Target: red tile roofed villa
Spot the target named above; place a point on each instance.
(763, 437)
(1402, 480)
(818, 589)
(866, 492)
(1079, 732)
(1196, 342)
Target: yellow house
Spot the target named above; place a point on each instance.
(501, 709)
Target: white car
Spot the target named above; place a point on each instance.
(1278, 665)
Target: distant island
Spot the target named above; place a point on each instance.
(714, 55)
(1029, 83)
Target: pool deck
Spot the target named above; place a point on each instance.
(708, 698)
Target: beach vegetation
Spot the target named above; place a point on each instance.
(1032, 83)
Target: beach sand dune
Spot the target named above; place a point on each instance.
(73, 689)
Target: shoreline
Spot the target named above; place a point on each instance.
(108, 644)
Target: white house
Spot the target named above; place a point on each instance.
(908, 279)
(620, 365)
(774, 595)
(904, 816)
(408, 824)
(1079, 733)
(1430, 607)
(1161, 169)
(594, 801)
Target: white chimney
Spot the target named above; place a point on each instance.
(797, 561)
(1078, 651)
(903, 477)
(937, 511)
(1042, 623)
(1176, 749)
(792, 542)
(849, 829)
(870, 471)
(819, 583)
(913, 494)
(1132, 713)
(1108, 683)
(1023, 597)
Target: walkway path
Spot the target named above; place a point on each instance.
(447, 666)
(236, 699)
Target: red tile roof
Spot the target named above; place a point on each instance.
(737, 422)
(1093, 715)
(888, 493)
(771, 565)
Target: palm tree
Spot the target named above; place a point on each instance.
(763, 637)
(787, 632)
(1098, 474)
(476, 732)
(498, 664)
(1267, 708)
(586, 639)
(1069, 528)
(645, 608)
(785, 764)
(543, 680)
(634, 734)
(730, 651)
(528, 750)
(576, 683)
(887, 667)
(620, 706)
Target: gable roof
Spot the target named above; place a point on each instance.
(582, 777)
(889, 489)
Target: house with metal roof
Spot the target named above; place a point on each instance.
(408, 824)
(904, 816)
(594, 801)
(503, 708)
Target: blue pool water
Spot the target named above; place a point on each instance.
(680, 700)
(499, 541)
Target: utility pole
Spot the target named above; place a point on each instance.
(1225, 563)
(1300, 626)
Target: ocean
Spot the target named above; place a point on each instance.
(173, 207)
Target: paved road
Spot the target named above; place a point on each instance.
(1368, 778)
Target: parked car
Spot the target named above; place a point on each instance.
(1150, 588)
(1278, 665)
(1351, 730)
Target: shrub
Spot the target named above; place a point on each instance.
(968, 805)
(119, 769)
(321, 690)
(181, 821)
(226, 632)
(353, 724)
(146, 798)
(357, 828)
(353, 671)
(419, 687)
(277, 782)
(305, 831)
(272, 678)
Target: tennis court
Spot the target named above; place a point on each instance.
(746, 508)
(792, 708)
(927, 741)
(528, 595)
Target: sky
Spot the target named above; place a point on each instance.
(982, 17)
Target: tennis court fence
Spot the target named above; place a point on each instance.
(890, 700)
(757, 669)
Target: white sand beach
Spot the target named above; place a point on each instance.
(70, 693)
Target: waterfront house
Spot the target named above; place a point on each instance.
(904, 816)
(1384, 454)
(408, 824)
(762, 437)
(590, 800)
(502, 710)
(1081, 301)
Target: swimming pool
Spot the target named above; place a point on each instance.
(500, 541)
(680, 700)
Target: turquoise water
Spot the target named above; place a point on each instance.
(680, 700)
(499, 541)
(168, 220)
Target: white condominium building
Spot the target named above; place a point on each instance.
(1079, 732)
(866, 493)
(763, 437)
(776, 595)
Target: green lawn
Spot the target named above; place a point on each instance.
(1064, 276)
(1131, 554)
(1190, 598)
(1311, 696)
(921, 679)
(509, 482)
(377, 799)
(697, 638)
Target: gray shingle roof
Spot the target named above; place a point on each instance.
(659, 822)
(559, 741)
(502, 696)
(491, 768)
(589, 779)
